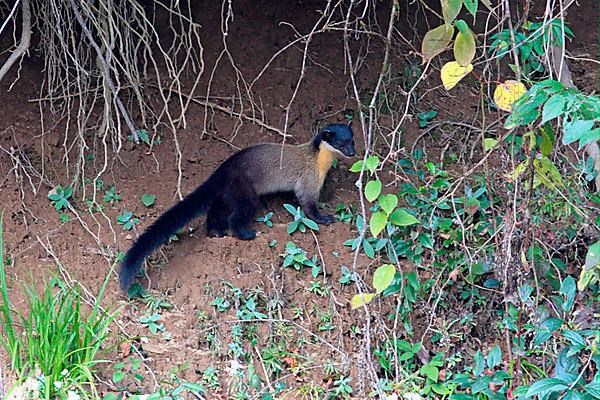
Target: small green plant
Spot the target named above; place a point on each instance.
(325, 321)
(317, 288)
(342, 387)
(127, 220)
(426, 117)
(248, 310)
(148, 199)
(59, 197)
(296, 258)
(266, 219)
(151, 322)
(300, 222)
(55, 354)
(155, 303)
(221, 304)
(210, 378)
(119, 374)
(145, 137)
(345, 213)
(111, 196)
(348, 276)
(272, 358)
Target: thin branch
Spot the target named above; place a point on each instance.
(105, 69)
(25, 38)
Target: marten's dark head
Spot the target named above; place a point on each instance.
(338, 138)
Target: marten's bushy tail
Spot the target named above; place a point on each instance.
(175, 218)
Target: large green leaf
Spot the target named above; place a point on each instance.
(383, 277)
(547, 385)
(401, 217)
(553, 107)
(388, 202)
(574, 130)
(464, 47)
(372, 190)
(377, 222)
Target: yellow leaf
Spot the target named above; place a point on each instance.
(359, 300)
(436, 40)
(507, 93)
(452, 72)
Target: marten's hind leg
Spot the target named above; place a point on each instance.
(217, 219)
(243, 202)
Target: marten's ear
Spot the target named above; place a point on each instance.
(326, 134)
(350, 124)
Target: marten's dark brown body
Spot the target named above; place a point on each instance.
(230, 196)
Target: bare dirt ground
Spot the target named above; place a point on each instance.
(190, 273)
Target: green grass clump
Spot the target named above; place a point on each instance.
(54, 353)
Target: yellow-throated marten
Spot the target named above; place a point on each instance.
(230, 196)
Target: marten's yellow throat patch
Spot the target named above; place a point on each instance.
(324, 161)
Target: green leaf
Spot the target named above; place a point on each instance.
(569, 290)
(478, 363)
(388, 202)
(553, 108)
(426, 240)
(547, 172)
(593, 389)
(489, 143)
(574, 337)
(574, 130)
(372, 163)
(292, 227)
(377, 222)
(430, 371)
(359, 300)
(589, 137)
(310, 223)
(442, 389)
(368, 248)
(462, 26)
(471, 6)
(545, 331)
(401, 217)
(472, 205)
(450, 9)
(494, 357)
(383, 277)
(372, 190)
(592, 259)
(547, 140)
(464, 47)
(481, 383)
(548, 385)
(291, 209)
(118, 376)
(148, 199)
(436, 40)
(357, 166)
